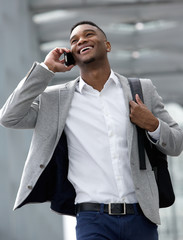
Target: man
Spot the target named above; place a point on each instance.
(84, 148)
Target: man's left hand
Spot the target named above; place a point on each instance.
(142, 116)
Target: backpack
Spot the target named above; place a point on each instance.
(158, 160)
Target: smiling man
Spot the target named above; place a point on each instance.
(84, 153)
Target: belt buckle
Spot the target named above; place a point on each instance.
(115, 213)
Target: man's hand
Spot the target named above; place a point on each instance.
(53, 62)
(142, 116)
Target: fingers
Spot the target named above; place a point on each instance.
(68, 68)
(57, 52)
(135, 107)
(53, 61)
(138, 100)
(132, 103)
(64, 67)
(62, 50)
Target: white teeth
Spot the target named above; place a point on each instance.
(84, 49)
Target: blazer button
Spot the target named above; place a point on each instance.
(41, 166)
(30, 187)
(164, 144)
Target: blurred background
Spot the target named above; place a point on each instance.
(147, 41)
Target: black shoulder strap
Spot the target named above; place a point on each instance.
(136, 88)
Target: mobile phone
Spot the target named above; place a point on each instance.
(69, 59)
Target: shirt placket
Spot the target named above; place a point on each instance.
(112, 137)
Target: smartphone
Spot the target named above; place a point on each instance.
(69, 59)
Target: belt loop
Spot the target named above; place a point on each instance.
(136, 210)
(101, 208)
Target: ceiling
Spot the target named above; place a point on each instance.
(146, 36)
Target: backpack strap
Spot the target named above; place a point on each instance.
(136, 88)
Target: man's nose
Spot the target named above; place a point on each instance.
(81, 40)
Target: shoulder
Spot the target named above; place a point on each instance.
(59, 87)
(146, 81)
(121, 77)
(147, 86)
(149, 92)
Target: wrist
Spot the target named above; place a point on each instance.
(49, 66)
(154, 125)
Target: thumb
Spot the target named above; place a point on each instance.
(137, 98)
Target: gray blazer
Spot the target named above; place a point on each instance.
(34, 105)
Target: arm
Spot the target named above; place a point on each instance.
(170, 139)
(21, 108)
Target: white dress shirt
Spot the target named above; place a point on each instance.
(99, 165)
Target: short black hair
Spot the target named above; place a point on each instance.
(89, 23)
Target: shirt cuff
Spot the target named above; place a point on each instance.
(44, 65)
(156, 134)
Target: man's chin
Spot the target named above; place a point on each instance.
(87, 61)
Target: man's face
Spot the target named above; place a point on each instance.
(88, 44)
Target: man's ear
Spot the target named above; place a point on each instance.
(108, 46)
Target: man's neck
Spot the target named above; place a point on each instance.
(96, 77)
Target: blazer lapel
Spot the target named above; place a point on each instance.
(65, 98)
(128, 97)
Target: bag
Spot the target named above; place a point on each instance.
(157, 159)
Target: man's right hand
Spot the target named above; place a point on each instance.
(53, 62)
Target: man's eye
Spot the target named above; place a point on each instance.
(73, 41)
(88, 34)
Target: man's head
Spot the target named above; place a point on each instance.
(88, 23)
(88, 43)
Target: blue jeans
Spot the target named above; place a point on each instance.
(102, 226)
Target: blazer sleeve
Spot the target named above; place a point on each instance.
(171, 135)
(21, 108)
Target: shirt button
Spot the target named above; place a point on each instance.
(41, 166)
(30, 187)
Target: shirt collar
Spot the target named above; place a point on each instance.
(112, 77)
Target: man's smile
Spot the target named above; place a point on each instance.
(85, 49)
